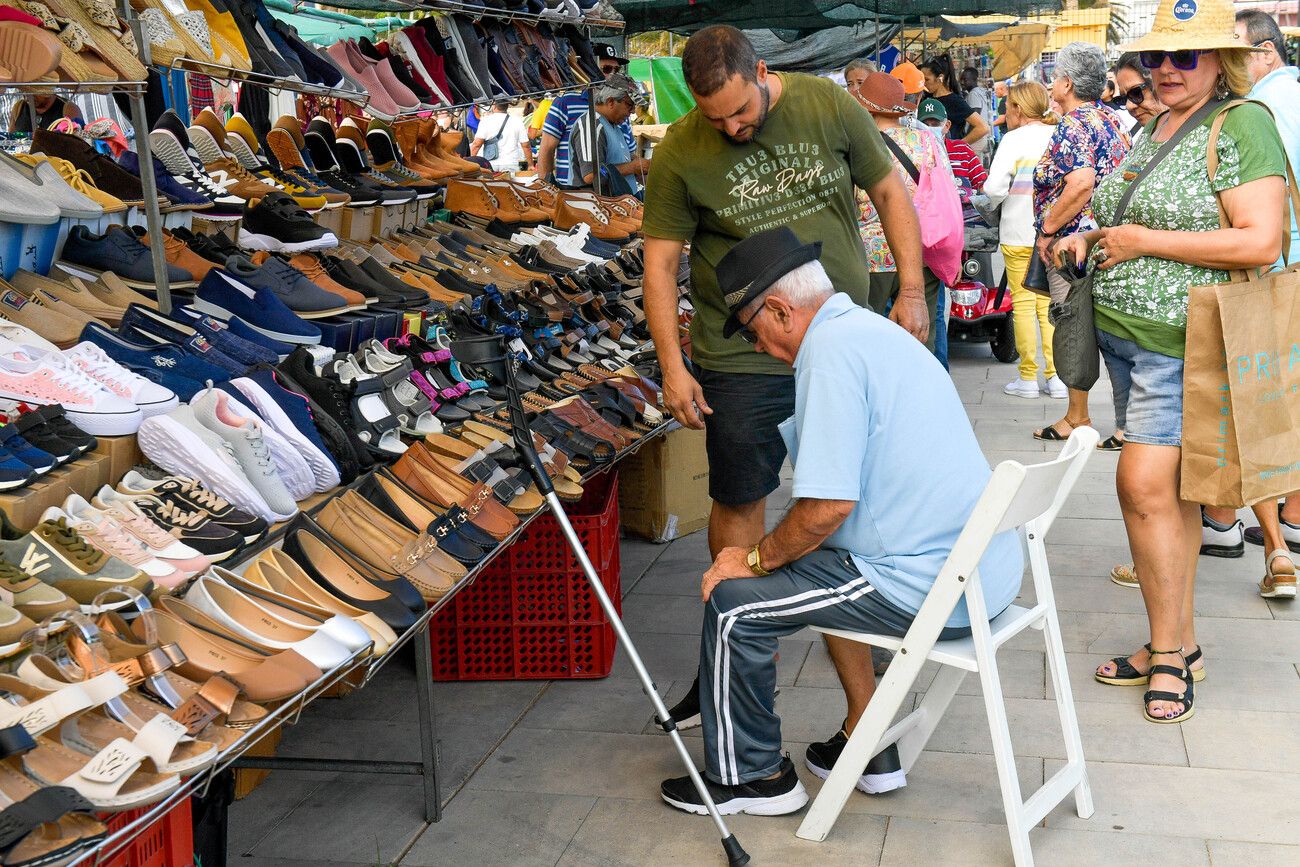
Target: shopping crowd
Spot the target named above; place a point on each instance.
(823, 224)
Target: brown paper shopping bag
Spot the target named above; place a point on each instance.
(1211, 462)
(1261, 338)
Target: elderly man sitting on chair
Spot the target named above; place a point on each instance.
(886, 474)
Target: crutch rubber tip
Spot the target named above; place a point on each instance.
(736, 856)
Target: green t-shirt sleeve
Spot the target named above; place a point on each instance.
(1249, 148)
(668, 211)
(869, 161)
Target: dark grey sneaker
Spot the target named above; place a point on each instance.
(776, 797)
(120, 252)
(884, 772)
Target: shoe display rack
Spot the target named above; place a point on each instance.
(135, 93)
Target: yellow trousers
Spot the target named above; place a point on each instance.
(1029, 312)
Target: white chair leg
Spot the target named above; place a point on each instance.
(884, 705)
(932, 708)
(1065, 709)
(1005, 757)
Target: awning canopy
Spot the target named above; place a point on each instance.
(325, 27)
(804, 16)
(663, 76)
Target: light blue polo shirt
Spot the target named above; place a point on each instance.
(1280, 91)
(877, 421)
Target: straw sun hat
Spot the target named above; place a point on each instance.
(1188, 24)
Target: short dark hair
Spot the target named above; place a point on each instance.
(713, 55)
(1130, 60)
(1261, 26)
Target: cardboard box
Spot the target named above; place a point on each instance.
(388, 219)
(331, 219)
(25, 505)
(663, 489)
(123, 453)
(358, 224)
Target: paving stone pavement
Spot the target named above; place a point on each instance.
(567, 773)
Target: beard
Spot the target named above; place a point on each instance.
(747, 134)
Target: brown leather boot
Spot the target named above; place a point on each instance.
(442, 144)
(570, 213)
(403, 137)
(471, 197)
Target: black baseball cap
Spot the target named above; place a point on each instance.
(605, 51)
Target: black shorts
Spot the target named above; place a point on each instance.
(745, 448)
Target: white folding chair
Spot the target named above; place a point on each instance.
(1026, 498)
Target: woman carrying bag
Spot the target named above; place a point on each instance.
(1169, 239)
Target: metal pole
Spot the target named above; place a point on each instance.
(152, 216)
(428, 735)
(877, 37)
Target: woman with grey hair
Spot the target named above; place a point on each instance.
(1088, 144)
(856, 73)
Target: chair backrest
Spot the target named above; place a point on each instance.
(1018, 495)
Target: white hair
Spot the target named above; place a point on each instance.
(804, 286)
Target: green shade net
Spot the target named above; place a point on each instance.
(672, 99)
(325, 27)
(799, 17)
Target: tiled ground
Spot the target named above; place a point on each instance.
(568, 773)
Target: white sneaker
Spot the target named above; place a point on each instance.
(1025, 388)
(152, 398)
(39, 377)
(1056, 389)
(248, 442)
(24, 336)
(1223, 543)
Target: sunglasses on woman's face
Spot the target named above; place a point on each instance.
(1136, 94)
(1185, 59)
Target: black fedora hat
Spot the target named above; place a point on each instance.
(753, 265)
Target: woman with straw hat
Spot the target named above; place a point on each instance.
(1167, 239)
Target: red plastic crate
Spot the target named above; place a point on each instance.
(531, 613)
(168, 842)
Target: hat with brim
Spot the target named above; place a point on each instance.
(883, 95)
(751, 267)
(1192, 24)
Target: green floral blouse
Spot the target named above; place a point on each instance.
(1145, 299)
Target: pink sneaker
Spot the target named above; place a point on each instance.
(381, 105)
(398, 92)
(40, 377)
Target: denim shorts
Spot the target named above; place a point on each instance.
(1148, 391)
(745, 448)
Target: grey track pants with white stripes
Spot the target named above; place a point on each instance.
(742, 622)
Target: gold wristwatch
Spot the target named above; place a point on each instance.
(755, 563)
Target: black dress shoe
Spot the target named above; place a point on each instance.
(445, 530)
(394, 601)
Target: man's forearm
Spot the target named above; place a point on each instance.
(902, 231)
(546, 154)
(805, 527)
(659, 284)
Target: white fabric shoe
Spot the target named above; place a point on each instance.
(1056, 389)
(1223, 543)
(1025, 388)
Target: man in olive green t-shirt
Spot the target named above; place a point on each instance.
(759, 150)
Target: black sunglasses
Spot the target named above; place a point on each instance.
(1184, 59)
(746, 334)
(1135, 95)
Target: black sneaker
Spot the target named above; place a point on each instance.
(202, 245)
(193, 527)
(686, 713)
(776, 797)
(329, 397)
(279, 224)
(884, 772)
(190, 495)
(49, 424)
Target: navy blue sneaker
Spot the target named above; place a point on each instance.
(225, 296)
(121, 252)
(14, 473)
(150, 328)
(244, 351)
(39, 460)
(183, 198)
(289, 414)
(235, 329)
(166, 365)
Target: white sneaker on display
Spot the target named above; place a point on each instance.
(1025, 388)
(35, 376)
(152, 398)
(1056, 389)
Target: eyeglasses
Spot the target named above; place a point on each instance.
(746, 333)
(1136, 95)
(1185, 59)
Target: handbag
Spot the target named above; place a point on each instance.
(1074, 341)
(491, 150)
(943, 230)
(1241, 397)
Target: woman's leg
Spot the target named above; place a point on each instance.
(1076, 414)
(1023, 305)
(1159, 528)
(1041, 303)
